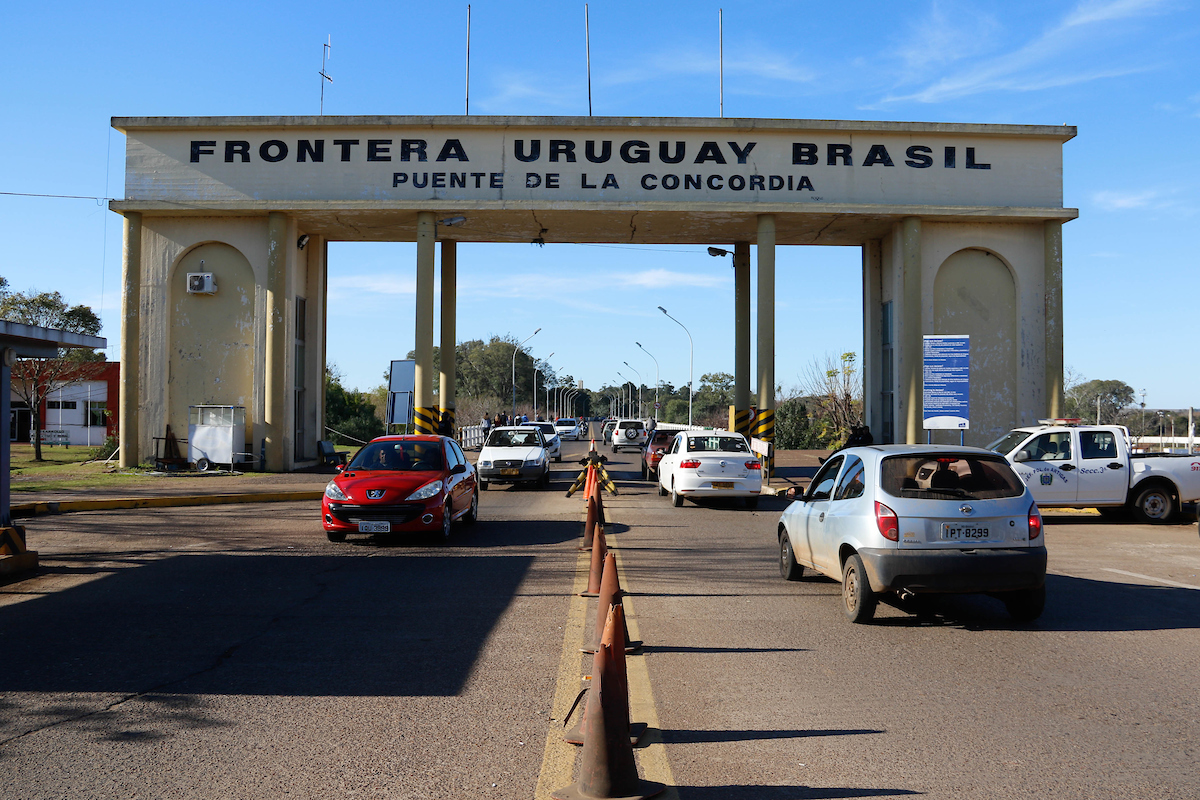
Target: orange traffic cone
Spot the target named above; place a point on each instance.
(590, 483)
(610, 593)
(608, 769)
(575, 734)
(589, 530)
(599, 501)
(596, 571)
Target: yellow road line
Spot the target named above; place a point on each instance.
(558, 759)
(653, 756)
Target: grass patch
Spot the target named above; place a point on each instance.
(65, 468)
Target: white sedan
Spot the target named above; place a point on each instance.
(567, 428)
(710, 464)
(553, 441)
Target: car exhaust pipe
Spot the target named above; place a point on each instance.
(905, 595)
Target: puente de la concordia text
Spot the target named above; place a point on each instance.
(960, 227)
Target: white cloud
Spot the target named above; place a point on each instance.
(1046, 61)
(348, 287)
(1092, 11)
(667, 279)
(766, 64)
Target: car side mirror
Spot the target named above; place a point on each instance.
(340, 467)
(458, 469)
(1022, 455)
(792, 494)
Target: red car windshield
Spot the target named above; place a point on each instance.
(402, 456)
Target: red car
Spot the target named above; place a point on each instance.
(402, 484)
(656, 445)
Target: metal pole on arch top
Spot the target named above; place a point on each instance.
(468, 88)
(721, 54)
(587, 42)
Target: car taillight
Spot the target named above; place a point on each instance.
(753, 465)
(1035, 522)
(689, 464)
(888, 522)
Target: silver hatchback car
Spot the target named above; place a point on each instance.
(915, 520)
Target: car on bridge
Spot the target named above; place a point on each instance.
(553, 440)
(567, 428)
(916, 520)
(629, 433)
(402, 484)
(606, 431)
(514, 454)
(657, 444)
(709, 464)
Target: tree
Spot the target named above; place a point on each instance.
(793, 428)
(711, 404)
(835, 389)
(1113, 396)
(34, 379)
(349, 413)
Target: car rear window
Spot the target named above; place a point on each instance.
(717, 444)
(638, 424)
(566, 423)
(944, 476)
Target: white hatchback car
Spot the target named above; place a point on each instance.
(709, 464)
(914, 520)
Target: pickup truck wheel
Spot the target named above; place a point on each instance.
(788, 568)
(1026, 605)
(1154, 504)
(858, 601)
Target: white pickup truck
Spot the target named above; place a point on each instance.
(1090, 466)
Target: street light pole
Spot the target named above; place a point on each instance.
(640, 381)
(656, 382)
(535, 372)
(691, 359)
(514, 369)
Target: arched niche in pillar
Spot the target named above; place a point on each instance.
(975, 293)
(211, 335)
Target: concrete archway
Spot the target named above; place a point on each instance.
(211, 348)
(975, 293)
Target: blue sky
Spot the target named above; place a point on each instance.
(1123, 71)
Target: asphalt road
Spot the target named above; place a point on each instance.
(233, 652)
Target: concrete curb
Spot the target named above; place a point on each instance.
(25, 510)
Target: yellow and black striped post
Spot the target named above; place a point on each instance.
(739, 420)
(764, 428)
(425, 420)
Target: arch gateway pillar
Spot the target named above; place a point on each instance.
(959, 226)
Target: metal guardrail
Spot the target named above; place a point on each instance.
(471, 437)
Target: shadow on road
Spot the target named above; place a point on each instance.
(705, 737)
(263, 625)
(1072, 604)
(784, 792)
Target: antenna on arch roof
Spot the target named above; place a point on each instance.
(325, 55)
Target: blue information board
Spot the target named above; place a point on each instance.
(946, 372)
